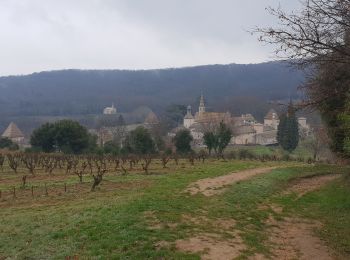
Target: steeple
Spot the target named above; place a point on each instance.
(201, 109)
(189, 113)
(188, 119)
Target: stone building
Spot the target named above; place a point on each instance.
(203, 120)
(272, 119)
(246, 130)
(106, 134)
(14, 134)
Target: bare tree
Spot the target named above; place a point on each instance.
(317, 142)
(13, 161)
(30, 162)
(318, 39)
(165, 159)
(80, 171)
(101, 170)
(321, 28)
(146, 161)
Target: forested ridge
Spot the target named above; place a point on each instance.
(232, 87)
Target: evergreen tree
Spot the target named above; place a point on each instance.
(219, 139)
(223, 136)
(210, 141)
(281, 130)
(62, 136)
(139, 141)
(182, 141)
(288, 130)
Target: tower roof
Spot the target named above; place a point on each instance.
(12, 131)
(201, 103)
(151, 119)
(272, 114)
(189, 113)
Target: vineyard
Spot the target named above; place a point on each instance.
(25, 175)
(158, 206)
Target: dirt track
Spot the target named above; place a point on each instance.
(214, 186)
(290, 238)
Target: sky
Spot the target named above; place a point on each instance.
(41, 35)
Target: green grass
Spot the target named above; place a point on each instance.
(113, 224)
(258, 150)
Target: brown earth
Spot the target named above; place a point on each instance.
(214, 186)
(221, 244)
(290, 238)
(212, 247)
(301, 186)
(294, 238)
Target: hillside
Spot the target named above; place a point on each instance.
(77, 92)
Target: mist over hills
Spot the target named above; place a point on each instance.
(234, 87)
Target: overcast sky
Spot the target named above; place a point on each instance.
(39, 35)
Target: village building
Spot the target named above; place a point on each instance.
(110, 110)
(151, 119)
(246, 129)
(13, 133)
(106, 134)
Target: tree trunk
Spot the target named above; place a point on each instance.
(97, 181)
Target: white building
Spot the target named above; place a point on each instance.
(110, 110)
(272, 119)
(189, 119)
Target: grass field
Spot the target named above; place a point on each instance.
(140, 216)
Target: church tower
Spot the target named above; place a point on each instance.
(188, 119)
(201, 109)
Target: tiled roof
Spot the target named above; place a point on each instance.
(12, 131)
(212, 117)
(151, 118)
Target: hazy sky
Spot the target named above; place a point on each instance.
(39, 35)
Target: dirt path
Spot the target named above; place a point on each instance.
(225, 243)
(295, 238)
(214, 186)
(289, 238)
(304, 185)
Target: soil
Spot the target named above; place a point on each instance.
(214, 186)
(211, 247)
(301, 186)
(295, 238)
(290, 238)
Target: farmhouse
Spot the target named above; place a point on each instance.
(14, 134)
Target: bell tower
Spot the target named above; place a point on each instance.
(201, 108)
(188, 119)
